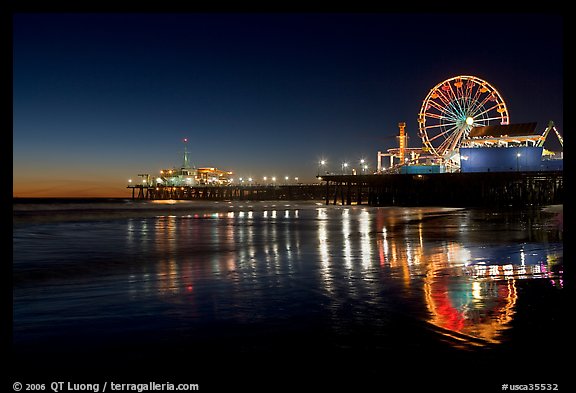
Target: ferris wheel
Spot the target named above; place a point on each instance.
(452, 108)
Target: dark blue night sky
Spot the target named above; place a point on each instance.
(100, 97)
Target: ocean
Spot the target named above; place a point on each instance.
(296, 292)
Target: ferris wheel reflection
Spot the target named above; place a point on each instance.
(471, 312)
(469, 288)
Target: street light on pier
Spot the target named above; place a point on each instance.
(517, 163)
(321, 165)
(344, 166)
(362, 165)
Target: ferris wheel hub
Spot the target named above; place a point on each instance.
(469, 121)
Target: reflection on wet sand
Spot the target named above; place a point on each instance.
(471, 304)
(467, 287)
(470, 312)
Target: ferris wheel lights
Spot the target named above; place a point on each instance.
(452, 108)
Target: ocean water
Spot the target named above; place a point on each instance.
(296, 284)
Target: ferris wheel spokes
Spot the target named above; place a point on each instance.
(452, 108)
(446, 131)
(488, 110)
(451, 141)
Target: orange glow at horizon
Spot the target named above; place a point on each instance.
(58, 188)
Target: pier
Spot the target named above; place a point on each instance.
(434, 189)
(446, 189)
(229, 192)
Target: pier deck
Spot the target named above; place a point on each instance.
(446, 189)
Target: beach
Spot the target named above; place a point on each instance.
(259, 284)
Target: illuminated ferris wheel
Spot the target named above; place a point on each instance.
(452, 108)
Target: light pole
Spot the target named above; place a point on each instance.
(362, 166)
(344, 166)
(517, 163)
(321, 165)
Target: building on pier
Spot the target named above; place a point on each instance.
(508, 148)
(213, 176)
(188, 175)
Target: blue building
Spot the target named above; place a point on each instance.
(505, 148)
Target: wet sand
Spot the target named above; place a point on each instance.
(344, 295)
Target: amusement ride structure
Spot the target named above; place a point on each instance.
(452, 108)
(462, 111)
